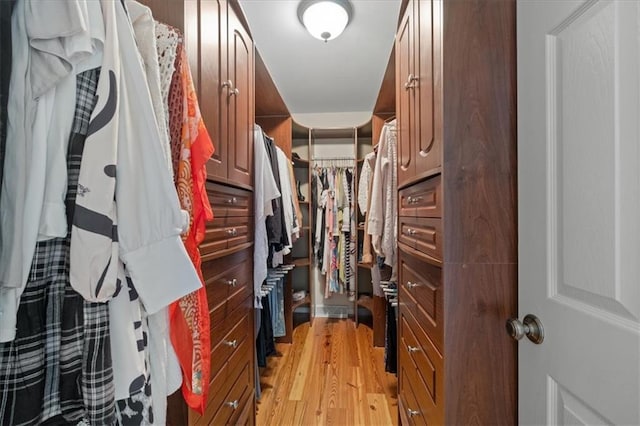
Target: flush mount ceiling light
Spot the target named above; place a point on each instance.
(324, 19)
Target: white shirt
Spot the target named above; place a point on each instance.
(264, 192)
(49, 41)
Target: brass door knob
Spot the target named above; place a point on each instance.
(530, 327)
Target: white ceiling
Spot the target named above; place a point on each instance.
(332, 84)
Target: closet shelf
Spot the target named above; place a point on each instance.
(297, 304)
(303, 202)
(364, 265)
(366, 302)
(300, 163)
(303, 261)
(360, 228)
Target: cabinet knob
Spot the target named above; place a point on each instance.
(414, 200)
(411, 285)
(411, 231)
(412, 413)
(232, 283)
(233, 232)
(233, 200)
(233, 404)
(231, 343)
(232, 90)
(412, 349)
(411, 80)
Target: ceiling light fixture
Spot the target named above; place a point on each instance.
(325, 19)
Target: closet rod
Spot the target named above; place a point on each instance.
(333, 158)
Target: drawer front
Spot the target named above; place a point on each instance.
(215, 237)
(422, 366)
(237, 370)
(225, 316)
(423, 199)
(225, 234)
(421, 284)
(411, 412)
(229, 201)
(223, 277)
(423, 234)
(235, 404)
(239, 231)
(224, 348)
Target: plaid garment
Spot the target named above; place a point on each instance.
(58, 369)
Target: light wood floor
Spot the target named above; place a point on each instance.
(330, 375)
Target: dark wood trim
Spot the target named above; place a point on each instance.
(268, 100)
(386, 101)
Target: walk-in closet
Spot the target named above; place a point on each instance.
(319, 212)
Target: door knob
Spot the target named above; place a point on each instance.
(530, 327)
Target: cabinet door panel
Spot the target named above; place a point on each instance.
(212, 71)
(404, 98)
(240, 103)
(428, 148)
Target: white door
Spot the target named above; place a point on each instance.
(579, 210)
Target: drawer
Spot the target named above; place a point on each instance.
(224, 234)
(234, 406)
(423, 199)
(422, 234)
(411, 412)
(423, 366)
(224, 277)
(421, 282)
(224, 348)
(237, 371)
(226, 315)
(229, 201)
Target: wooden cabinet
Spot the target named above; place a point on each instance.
(225, 85)
(457, 263)
(419, 92)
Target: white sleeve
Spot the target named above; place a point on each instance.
(363, 186)
(149, 217)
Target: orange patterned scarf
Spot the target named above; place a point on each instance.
(189, 316)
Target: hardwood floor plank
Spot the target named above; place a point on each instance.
(378, 409)
(329, 375)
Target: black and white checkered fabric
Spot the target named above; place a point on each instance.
(58, 369)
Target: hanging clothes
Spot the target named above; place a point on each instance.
(265, 192)
(91, 361)
(59, 364)
(383, 215)
(189, 316)
(335, 228)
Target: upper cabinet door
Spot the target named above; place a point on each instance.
(405, 85)
(428, 87)
(212, 42)
(239, 97)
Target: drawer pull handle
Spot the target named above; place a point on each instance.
(411, 285)
(233, 200)
(412, 413)
(414, 200)
(232, 283)
(412, 349)
(411, 231)
(233, 404)
(232, 90)
(232, 344)
(233, 232)
(411, 80)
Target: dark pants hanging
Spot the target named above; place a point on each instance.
(391, 343)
